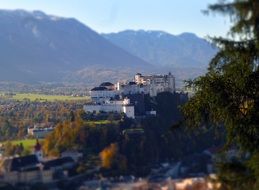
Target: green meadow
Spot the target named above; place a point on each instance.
(28, 144)
(42, 97)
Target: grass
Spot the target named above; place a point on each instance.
(43, 98)
(101, 122)
(28, 144)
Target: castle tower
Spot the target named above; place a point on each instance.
(171, 82)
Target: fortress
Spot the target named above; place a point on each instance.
(110, 97)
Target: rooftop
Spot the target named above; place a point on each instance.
(19, 163)
(100, 88)
(106, 84)
(58, 162)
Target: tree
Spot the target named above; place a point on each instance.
(228, 94)
(7, 131)
(9, 149)
(112, 159)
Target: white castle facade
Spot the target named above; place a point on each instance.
(120, 106)
(154, 84)
(106, 97)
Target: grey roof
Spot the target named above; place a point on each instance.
(57, 162)
(106, 84)
(20, 163)
(100, 88)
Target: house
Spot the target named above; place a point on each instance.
(25, 169)
(18, 164)
(40, 130)
(60, 167)
(63, 163)
(32, 168)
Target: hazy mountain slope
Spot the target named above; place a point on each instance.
(164, 49)
(37, 47)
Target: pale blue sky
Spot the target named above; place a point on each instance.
(103, 16)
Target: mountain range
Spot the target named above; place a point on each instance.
(36, 47)
(39, 47)
(163, 49)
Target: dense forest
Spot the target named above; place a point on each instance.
(127, 146)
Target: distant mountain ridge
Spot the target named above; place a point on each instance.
(161, 48)
(38, 47)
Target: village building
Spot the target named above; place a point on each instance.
(59, 165)
(26, 169)
(33, 168)
(40, 130)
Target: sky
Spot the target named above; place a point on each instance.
(105, 16)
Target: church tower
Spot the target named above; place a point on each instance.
(38, 150)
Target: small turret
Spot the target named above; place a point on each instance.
(38, 150)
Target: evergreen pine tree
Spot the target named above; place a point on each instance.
(228, 94)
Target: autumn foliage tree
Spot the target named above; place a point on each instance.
(64, 137)
(112, 159)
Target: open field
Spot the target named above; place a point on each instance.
(42, 97)
(28, 144)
